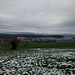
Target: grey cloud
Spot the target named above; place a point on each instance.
(46, 16)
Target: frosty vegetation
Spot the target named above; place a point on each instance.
(38, 62)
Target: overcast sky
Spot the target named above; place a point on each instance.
(38, 16)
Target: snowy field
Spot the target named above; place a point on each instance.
(38, 62)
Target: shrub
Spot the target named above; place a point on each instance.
(14, 44)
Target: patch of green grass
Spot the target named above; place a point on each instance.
(4, 46)
(22, 45)
(47, 45)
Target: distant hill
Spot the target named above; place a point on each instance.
(23, 34)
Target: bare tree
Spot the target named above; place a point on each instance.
(14, 44)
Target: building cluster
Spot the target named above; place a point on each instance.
(47, 39)
(42, 39)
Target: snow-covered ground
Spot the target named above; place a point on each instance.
(38, 62)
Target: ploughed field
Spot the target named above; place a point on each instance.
(38, 61)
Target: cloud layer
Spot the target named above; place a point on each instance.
(39, 16)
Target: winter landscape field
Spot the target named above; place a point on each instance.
(37, 37)
(38, 61)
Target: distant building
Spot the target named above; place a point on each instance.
(24, 39)
(21, 38)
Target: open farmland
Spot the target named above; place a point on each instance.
(5, 46)
(38, 61)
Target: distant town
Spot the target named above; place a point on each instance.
(47, 39)
(37, 38)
